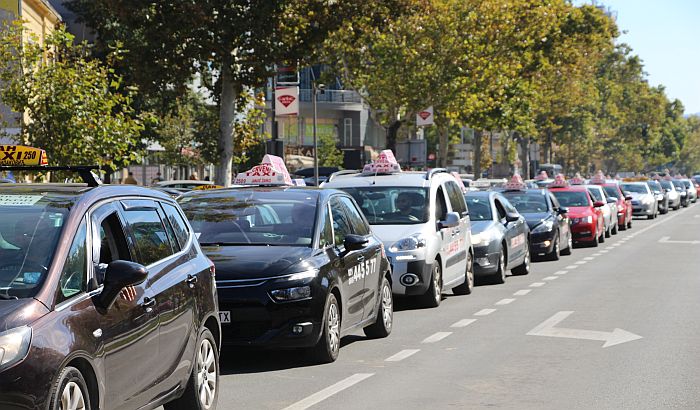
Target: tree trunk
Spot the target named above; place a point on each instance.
(478, 134)
(525, 156)
(391, 134)
(227, 115)
(443, 142)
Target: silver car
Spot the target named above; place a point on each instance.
(644, 202)
(423, 221)
(674, 197)
(609, 208)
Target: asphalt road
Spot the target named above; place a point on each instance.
(542, 341)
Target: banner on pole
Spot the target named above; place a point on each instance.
(287, 101)
(425, 117)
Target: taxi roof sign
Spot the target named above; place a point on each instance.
(577, 180)
(598, 178)
(516, 183)
(559, 182)
(385, 164)
(22, 156)
(271, 171)
(542, 176)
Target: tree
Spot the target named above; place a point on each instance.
(328, 153)
(229, 45)
(78, 110)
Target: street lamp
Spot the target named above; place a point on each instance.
(314, 89)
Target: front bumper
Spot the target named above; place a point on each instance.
(583, 232)
(643, 209)
(485, 260)
(542, 243)
(410, 272)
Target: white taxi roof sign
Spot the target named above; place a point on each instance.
(516, 183)
(598, 178)
(542, 176)
(385, 164)
(22, 156)
(271, 171)
(559, 182)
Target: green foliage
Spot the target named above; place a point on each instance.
(328, 153)
(75, 107)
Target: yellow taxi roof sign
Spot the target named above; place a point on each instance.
(19, 155)
(206, 187)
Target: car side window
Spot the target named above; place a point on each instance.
(456, 198)
(326, 231)
(341, 224)
(151, 239)
(555, 203)
(440, 206)
(179, 226)
(507, 205)
(73, 278)
(500, 210)
(109, 241)
(358, 225)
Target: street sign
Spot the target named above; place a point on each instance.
(425, 117)
(287, 101)
(287, 75)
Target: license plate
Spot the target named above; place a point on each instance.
(225, 316)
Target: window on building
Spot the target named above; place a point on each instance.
(347, 132)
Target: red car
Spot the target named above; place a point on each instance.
(587, 223)
(624, 204)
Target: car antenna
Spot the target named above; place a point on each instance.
(374, 179)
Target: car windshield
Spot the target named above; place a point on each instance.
(392, 205)
(636, 188)
(595, 192)
(479, 208)
(686, 183)
(253, 218)
(612, 191)
(527, 202)
(677, 183)
(654, 186)
(666, 184)
(30, 226)
(571, 198)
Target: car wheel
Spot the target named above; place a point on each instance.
(629, 224)
(328, 347)
(607, 232)
(385, 316)
(524, 268)
(569, 246)
(467, 287)
(614, 229)
(70, 391)
(601, 238)
(202, 391)
(556, 250)
(433, 296)
(500, 276)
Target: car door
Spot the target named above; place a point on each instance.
(129, 330)
(518, 244)
(351, 279)
(371, 255)
(562, 220)
(457, 259)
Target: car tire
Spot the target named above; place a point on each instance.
(467, 287)
(601, 238)
(433, 296)
(524, 268)
(206, 368)
(500, 276)
(614, 229)
(629, 224)
(607, 232)
(70, 386)
(328, 346)
(569, 246)
(385, 316)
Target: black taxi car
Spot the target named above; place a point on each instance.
(106, 300)
(296, 267)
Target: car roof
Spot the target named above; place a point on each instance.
(541, 191)
(399, 179)
(318, 192)
(579, 188)
(82, 192)
(183, 181)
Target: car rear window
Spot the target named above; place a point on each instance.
(572, 198)
(527, 202)
(612, 191)
(479, 208)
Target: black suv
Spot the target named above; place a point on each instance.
(106, 301)
(296, 267)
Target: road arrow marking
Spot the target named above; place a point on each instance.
(613, 338)
(667, 239)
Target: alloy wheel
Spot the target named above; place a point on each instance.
(334, 327)
(387, 308)
(72, 397)
(470, 270)
(206, 374)
(437, 283)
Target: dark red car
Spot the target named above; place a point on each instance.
(587, 224)
(624, 205)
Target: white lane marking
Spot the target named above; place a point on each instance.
(436, 337)
(505, 302)
(604, 251)
(588, 258)
(561, 272)
(537, 284)
(667, 239)
(402, 355)
(597, 254)
(615, 245)
(613, 338)
(571, 267)
(463, 323)
(581, 262)
(484, 312)
(522, 292)
(551, 278)
(329, 391)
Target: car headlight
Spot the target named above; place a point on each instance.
(586, 219)
(545, 226)
(482, 239)
(411, 243)
(14, 345)
(647, 200)
(290, 294)
(307, 274)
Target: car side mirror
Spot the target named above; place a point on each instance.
(119, 275)
(511, 217)
(657, 192)
(355, 242)
(628, 197)
(451, 221)
(612, 200)
(598, 204)
(667, 189)
(563, 211)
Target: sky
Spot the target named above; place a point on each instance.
(666, 36)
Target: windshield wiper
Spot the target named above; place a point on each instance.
(8, 297)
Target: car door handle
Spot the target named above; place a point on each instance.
(148, 304)
(191, 280)
(361, 258)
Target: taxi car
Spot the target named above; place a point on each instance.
(609, 208)
(674, 197)
(106, 299)
(499, 236)
(296, 267)
(624, 204)
(644, 202)
(423, 221)
(550, 230)
(587, 224)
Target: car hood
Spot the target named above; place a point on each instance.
(580, 211)
(21, 312)
(389, 234)
(482, 226)
(254, 262)
(636, 196)
(535, 219)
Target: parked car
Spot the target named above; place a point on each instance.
(550, 230)
(674, 197)
(609, 208)
(644, 202)
(106, 300)
(624, 204)
(423, 221)
(661, 196)
(587, 221)
(296, 267)
(691, 190)
(500, 237)
(682, 191)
